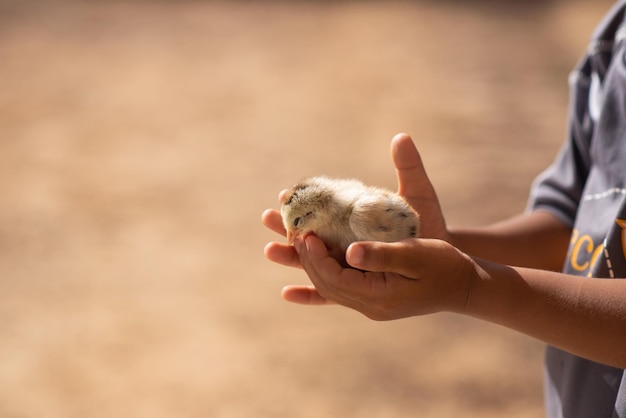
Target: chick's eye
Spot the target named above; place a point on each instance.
(297, 222)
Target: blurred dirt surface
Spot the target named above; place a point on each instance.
(140, 142)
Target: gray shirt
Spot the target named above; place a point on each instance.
(586, 188)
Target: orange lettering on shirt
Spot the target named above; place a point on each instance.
(622, 224)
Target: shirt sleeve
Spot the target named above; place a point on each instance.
(560, 187)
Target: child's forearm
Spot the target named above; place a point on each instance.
(536, 240)
(584, 316)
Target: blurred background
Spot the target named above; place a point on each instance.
(141, 140)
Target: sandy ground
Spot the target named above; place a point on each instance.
(140, 141)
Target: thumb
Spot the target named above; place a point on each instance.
(415, 186)
(413, 183)
(395, 257)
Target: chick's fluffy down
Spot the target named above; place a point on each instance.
(346, 210)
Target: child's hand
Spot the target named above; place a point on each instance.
(414, 185)
(406, 278)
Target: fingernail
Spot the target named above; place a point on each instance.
(307, 243)
(355, 255)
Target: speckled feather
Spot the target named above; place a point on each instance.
(342, 211)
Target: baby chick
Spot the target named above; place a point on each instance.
(342, 211)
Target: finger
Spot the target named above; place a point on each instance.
(345, 286)
(282, 254)
(272, 219)
(304, 295)
(315, 258)
(412, 179)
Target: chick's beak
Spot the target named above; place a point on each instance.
(292, 235)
